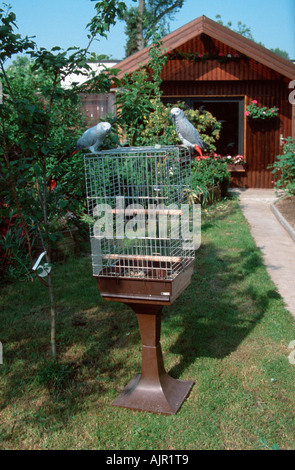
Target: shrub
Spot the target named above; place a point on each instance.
(284, 168)
(159, 128)
(207, 173)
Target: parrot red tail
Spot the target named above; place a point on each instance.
(75, 151)
(197, 148)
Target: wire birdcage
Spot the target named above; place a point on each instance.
(143, 252)
(135, 202)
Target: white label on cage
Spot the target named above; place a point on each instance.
(165, 293)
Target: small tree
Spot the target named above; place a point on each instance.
(142, 116)
(149, 15)
(139, 93)
(37, 121)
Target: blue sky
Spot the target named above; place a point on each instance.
(62, 22)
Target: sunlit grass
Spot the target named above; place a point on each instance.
(229, 332)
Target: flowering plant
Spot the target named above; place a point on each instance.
(284, 168)
(204, 56)
(233, 160)
(255, 112)
(236, 160)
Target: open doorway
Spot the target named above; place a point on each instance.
(230, 113)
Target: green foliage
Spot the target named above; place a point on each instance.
(132, 31)
(11, 43)
(107, 13)
(139, 94)
(156, 14)
(41, 121)
(256, 112)
(284, 168)
(159, 128)
(142, 116)
(245, 31)
(14, 259)
(241, 28)
(208, 173)
(38, 127)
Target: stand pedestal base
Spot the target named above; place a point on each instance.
(153, 390)
(165, 397)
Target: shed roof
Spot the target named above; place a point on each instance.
(207, 26)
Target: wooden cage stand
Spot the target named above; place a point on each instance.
(153, 390)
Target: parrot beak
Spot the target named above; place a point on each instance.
(197, 148)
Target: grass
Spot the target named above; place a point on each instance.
(229, 332)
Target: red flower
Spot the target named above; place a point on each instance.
(52, 185)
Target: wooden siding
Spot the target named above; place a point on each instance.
(262, 138)
(96, 106)
(235, 67)
(216, 32)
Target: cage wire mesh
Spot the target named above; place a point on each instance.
(135, 198)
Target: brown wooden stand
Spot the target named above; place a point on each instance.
(153, 390)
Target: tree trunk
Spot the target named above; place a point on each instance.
(140, 39)
(52, 317)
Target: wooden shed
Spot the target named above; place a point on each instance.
(211, 66)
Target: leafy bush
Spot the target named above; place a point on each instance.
(160, 129)
(14, 259)
(208, 173)
(284, 168)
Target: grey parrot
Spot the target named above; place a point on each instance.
(187, 133)
(93, 137)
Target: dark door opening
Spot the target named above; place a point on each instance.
(230, 113)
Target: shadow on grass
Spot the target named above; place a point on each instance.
(224, 302)
(217, 312)
(99, 342)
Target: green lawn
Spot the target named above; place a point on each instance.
(229, 332)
